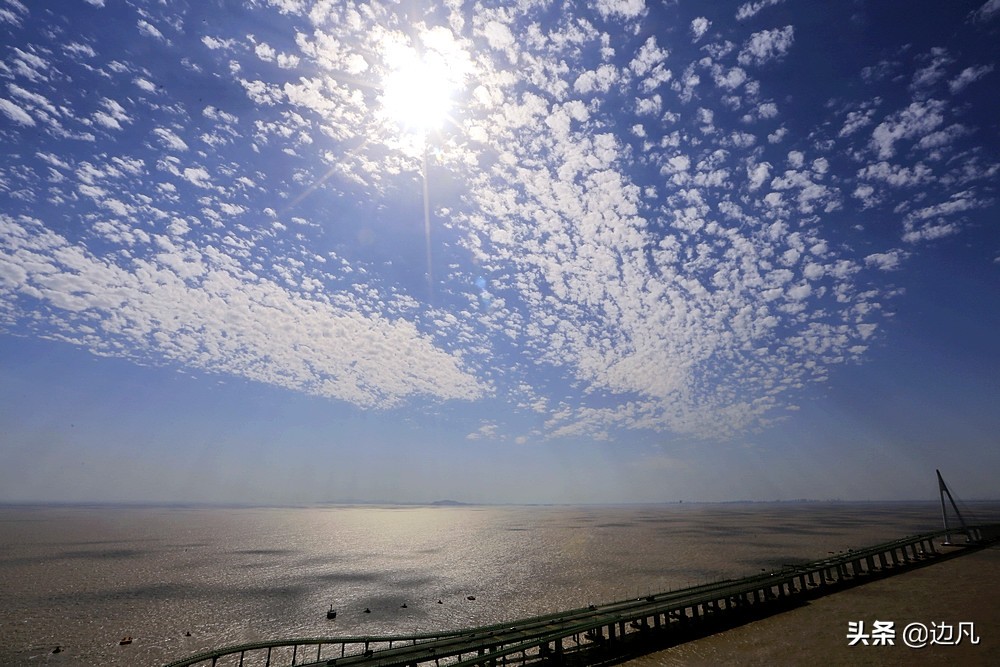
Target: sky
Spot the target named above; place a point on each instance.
(281, 251)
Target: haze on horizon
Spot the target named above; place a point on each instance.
(622, 251)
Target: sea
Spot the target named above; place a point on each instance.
(180, 580)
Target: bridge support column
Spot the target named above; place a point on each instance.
(611, 632)
(856, 566)
(895, 558)
(882, 560)
(870, 561)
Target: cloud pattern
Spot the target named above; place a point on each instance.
(634, 233)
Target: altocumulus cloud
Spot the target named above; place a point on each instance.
(183, 307)
(639, 240)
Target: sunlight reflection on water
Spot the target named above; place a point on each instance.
(82, 578)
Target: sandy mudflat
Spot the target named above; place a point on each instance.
(961, 589)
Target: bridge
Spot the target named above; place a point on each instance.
(611, 631)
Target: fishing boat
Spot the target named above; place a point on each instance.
(331, 613)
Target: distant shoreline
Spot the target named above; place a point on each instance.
(455, 503)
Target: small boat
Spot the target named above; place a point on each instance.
(331, 613)
(125, 640)
(470, 597)
(403, 606)
(367, 610)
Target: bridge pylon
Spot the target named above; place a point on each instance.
(971, 535)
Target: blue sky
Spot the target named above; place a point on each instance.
(283, 251)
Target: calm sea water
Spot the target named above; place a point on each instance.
(84, 577)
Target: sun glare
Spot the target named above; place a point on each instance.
(418, 90)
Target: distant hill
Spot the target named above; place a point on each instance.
(448, 503)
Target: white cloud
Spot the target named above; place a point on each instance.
(13, 13)
(15, 113)
(498, 35)
(897, 175)
(767, 45)
(777, 136)
(867, 195)
(197, 176)
(855, 121)
(112, 116)
(265, 52)
(933, 72)
(486, 430)
(937, 220)
(180, 306)
(929, 231)
(169, 139)
(107, 121)
(624, 8)
(758, 174)
(686, 85)
(751, 9)
(918, 119)
(886, 261)
(216, 43)
(649, 105)
(730, 79)
(987, 11)
(968, 75)
(149, 30)
(942, 138)
(599, 80)
(77, 49)
(144, 84)
(649, 56)
(699, 27)
(767, 110)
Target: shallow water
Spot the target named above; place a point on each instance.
(84, 577)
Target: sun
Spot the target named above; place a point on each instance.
(418, 90)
